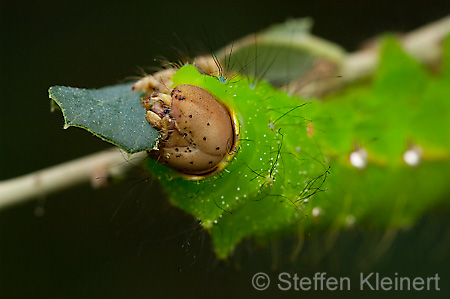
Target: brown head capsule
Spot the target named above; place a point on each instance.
(197, 132)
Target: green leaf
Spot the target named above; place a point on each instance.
(112, 113)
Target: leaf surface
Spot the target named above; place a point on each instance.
(112, 113)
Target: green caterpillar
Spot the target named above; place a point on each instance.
(373, 157)
(264, 185)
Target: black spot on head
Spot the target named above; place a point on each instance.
(176, 149)
(210, 162)
(204, 138)
(208, 124)
(190, 115)
(191, 162)
(217, 148)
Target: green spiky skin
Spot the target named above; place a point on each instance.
(271, 183)
(243, 200)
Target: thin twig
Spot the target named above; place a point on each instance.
(96, 168)
(424, 44)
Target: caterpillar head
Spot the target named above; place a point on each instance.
(198, 134)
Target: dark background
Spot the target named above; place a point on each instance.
(125, 241)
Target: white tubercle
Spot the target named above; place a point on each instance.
(358, 158)
(413, 156)
(316, 211)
